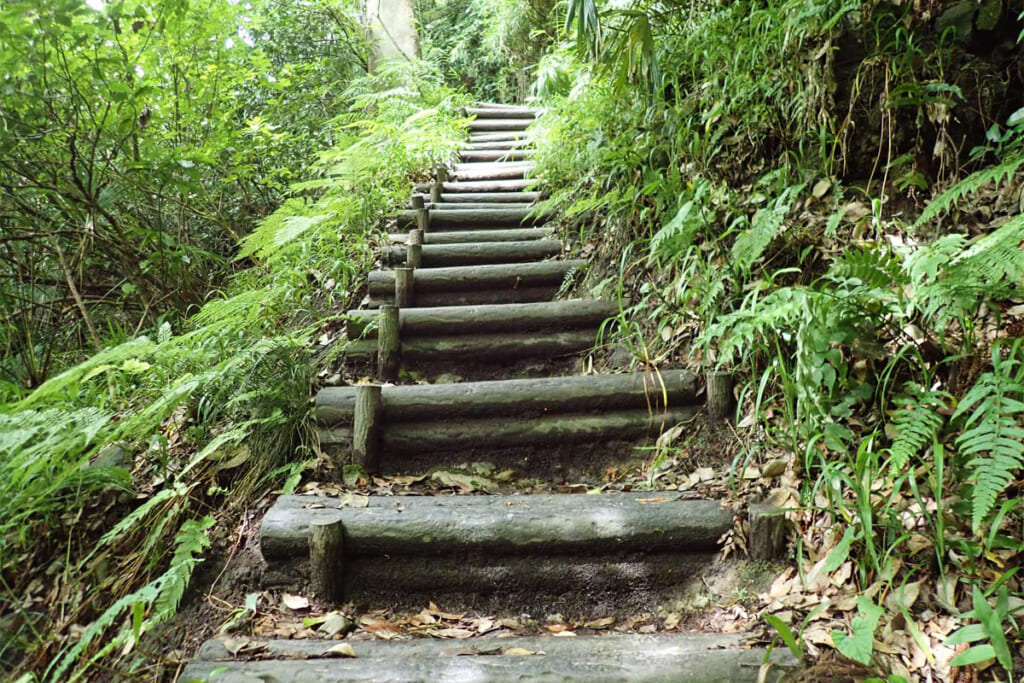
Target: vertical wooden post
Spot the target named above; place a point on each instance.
(415, 237)
(404, 283)
(719, 398)
(438, 187)
(414, 255)
(417, 202)
(366, 427)
(766, 532)
(326, 553)
(387, 343)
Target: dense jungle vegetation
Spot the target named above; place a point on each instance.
(823, 196)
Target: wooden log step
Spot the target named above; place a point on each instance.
(486, 348)
(488, 186)
(499, 125)
(568, 314)
(476, 236)
(512, 399)
(473, 297)
(471, 278)
(468, 219)
(683, 658)
(502, 112)
(503, 136)
(540, 523)
(470, 254)
(490, 197)
(481, 206)
(492, 171)
(497, 146)
(505, 105)
(483, 155)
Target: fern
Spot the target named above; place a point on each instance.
(190, 542)
(969, 185)
(916, 421)
(993, 438)
(764, 228)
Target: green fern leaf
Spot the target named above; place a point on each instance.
(764, 228)
(969, 185)
(992, 438)
(191, 541)
(917, 422)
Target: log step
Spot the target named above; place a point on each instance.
(468, 219)
(670, 657)
(480, 206)
(510, 277)
(501, 348)
(521, 137)
(489, 197)
(514, 185)
(497, 145)
(568, 314)
(499, 125)
(482, 155)
(471, 297)
(502, 113)
(515, 398)
(492, 171)
(448, 255)
(476, 236)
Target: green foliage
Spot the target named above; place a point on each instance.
(989, 628)
(916, 422)
(992, 437)
(861, 643)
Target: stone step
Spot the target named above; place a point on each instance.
(476, 236)
(668, 658)
(462, 285)
(472, 254)
(511, 549)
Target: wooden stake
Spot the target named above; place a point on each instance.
(415, 237)
(326, 550)
(387, 343)
(418, 202)
(766, 537)
(366, 427)
(719, 395)
(414, 255)
(423, 219)
(404, 287)
(438, 187)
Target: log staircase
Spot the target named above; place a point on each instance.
(472, 288)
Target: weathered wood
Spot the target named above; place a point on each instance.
(766, 533)
(417, 237)
(488, 186)
(468, 219)
(482, 206)
(567, 314)
(477, 236)
(444, 255)
(615, 657)
(517, 295)
(492, 171)
(418, 202)
(440, 176)
(502, 112)
(381, 283)
(494, 125)
(497, 145)
(720, 400)
(481, 348)
(491, 197)
(507, 398)
(367, 426)
(404, 288)
(422, 219)
(326, 553)
(479, 155)
(522, 137)
(412, 255)
(388, 359)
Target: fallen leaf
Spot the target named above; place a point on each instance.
(340, 650)
(294, 602)
(651, 500)
(467, 483)
(457, 633)
(353, 500)
(558, 628)
(335, 623)
(604, 622)
(519, 652)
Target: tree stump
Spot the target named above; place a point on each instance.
(766, 539)
(366, 427)
(404, 278)
(719, 399)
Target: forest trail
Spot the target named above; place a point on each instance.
(477, 359)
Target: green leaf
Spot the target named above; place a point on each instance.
(786, 634)
(861, 644)
(975, 655)
(993, 625)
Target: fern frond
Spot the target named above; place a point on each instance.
(190, 542)
(764, 227)
(969, 185)
(917, 422)
(780, 310)
(871, 267)
(993, 438)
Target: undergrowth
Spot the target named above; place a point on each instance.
(116, 473)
